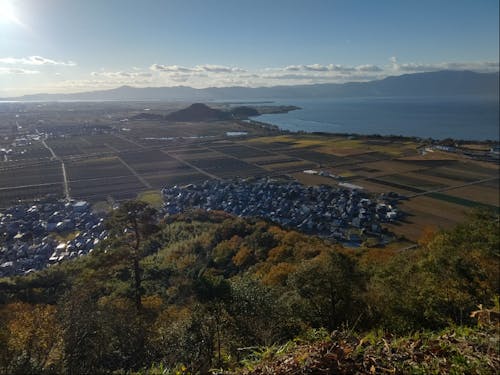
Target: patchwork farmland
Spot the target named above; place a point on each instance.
(117, 159)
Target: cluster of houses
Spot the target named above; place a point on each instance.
(490, 155)
(44, 233)
(34, 236)
(346, 215)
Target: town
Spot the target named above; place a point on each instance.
(33, 236)
(345, 215)
(49, 231)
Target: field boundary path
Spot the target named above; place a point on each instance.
(137, 175)
(54, 156)
(317, 165)
(440, 190)
(191, 165)
(130, 141)
(67, 195)
(65, 178)
(28, 186)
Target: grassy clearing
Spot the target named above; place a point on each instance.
(153, 197)
(103, 206)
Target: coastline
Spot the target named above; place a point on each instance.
(453, 145)
(389, 121)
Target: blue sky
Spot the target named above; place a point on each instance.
(70, 45)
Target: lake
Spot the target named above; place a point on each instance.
(468, 118)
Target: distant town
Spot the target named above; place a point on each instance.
(50, 231)
(346, 215)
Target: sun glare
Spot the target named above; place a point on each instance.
(7, 12)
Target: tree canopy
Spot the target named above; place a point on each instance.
(200, 290)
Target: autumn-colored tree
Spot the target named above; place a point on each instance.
(442, 281)
(428, 233)
(243, 257)
(84, 344)
(33, 338)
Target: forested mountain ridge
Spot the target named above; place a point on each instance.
(189, 293)
(440, 83)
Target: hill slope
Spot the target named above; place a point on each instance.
(198, 112)
(201, 290)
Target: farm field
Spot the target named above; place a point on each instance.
(109, 155)
(34, 150)
(99, 189)
(11, 195)
(428, 213)
(46, 173)
(226, 167)
(94, 168)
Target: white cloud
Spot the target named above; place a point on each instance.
(169, 68)
(369, 68)
(298, 76)
(121, 74)
(200, 76)
(333, 68)
(17, 71)
(223, 76)
(196, 69)
(414, 67)
(219, 69)
(292, 68)
(317, 68)
(34, 60)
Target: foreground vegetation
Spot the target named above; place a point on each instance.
(455, 350)
(204, 291)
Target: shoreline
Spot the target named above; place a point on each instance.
(272, 126)
(373, 135)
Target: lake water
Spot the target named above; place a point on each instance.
(458, 117)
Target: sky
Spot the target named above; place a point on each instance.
(80, 45)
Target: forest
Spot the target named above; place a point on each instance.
(206, 292)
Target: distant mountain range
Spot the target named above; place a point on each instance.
(442, 83)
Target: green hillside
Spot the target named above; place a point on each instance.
(202, 291)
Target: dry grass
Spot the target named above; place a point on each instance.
(152, 197)
(425, 212)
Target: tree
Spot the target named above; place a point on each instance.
(131, 224)
(215, 292)
(441, 282)
(329, 288)
(260, 316)
(32, 338)
(82, 331)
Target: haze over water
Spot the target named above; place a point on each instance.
(467, 118)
